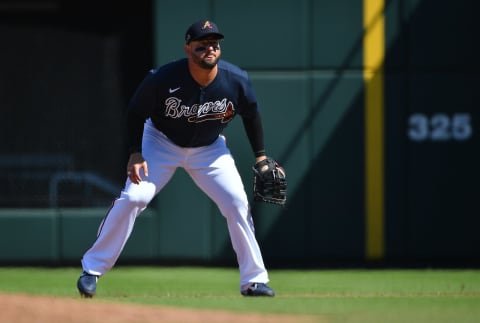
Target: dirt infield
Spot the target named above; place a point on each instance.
(27, 309)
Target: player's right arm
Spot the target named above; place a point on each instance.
(140, 107)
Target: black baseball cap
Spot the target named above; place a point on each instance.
(202, 29)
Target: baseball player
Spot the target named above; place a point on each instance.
(175, 119)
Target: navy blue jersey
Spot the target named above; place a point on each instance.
(191, 115)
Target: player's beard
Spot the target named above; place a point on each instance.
(206, 63)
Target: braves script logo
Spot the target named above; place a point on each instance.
(218, 110)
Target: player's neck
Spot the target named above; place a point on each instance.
(201, 75)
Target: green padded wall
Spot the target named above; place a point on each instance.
(29, 235)
(305, 59)
(61, 236)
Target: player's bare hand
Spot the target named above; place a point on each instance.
(136, 163)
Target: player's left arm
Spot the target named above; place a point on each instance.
(269, 182)
(254, 129)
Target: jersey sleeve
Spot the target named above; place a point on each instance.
(248, 100)
(254, 129)
(139, 109)
(251, 118)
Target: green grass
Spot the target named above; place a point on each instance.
(331, 295)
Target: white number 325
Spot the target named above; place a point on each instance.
(439, 127)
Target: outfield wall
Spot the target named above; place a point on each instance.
(61, 236)
(371, 106)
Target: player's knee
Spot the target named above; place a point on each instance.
(139, 201)
(138, 198)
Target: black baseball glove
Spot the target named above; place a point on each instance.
(269, 182)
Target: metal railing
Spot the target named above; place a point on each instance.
(51, 168)
(86, 177)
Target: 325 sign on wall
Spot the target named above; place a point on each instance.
(440, 127)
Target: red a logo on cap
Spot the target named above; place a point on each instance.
(207, 24)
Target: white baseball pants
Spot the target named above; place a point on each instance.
(213, 169)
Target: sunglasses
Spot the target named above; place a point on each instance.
(214, 44)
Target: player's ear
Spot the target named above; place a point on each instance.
(186, 48)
